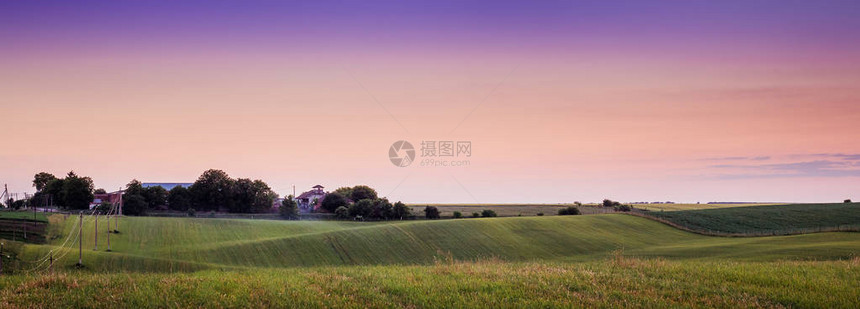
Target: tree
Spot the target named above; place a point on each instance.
(77, 192)
(401, 211)
(382, 209)
(155, 196)
(332, 201)
(362, 193)
(41, 180)
(431, 212)
(213, 190)
(99, 191)
(104, 207)
(344, 191)
(289, 209)
(133, 187)
(342, 212)
(569, 211)
(488, 213)
(476, 214)
(179, 198)
(610, 203)
(362, 208)
(458, 215)
(134, 205)
(848, 201)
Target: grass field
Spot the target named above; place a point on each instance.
(608, 283)
(767, 220)
(22, 215)
(609, 260)
(148, 244)
(514, 210)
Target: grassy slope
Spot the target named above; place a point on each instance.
(775, 219)
(175, 244)
(615, 283)
(22, 215)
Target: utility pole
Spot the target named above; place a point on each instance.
(80, 240)
(108, 234)
(96, 247)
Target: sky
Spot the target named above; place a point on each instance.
(560, 101)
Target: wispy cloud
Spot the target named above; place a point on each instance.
(816, 168)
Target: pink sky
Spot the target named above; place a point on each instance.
(555, 117)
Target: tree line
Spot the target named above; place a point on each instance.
(214, 190)
(358, 202)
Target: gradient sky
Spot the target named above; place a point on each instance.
(562, 100)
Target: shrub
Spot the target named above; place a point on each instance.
(569, 211)
(488, 213)
(342, 212)
(847, 201)
(540, 214)
(610, 203)
(431, 212)
(458, 214)
(577, 203)
(332, 201)
(289, 209)
(476, 214)
(191, 212)
(623, 208)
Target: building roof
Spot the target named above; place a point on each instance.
(309, 194)
(318, 187)
(166, 185)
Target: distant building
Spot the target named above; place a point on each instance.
(112, 197)
(166, 185)
(310, 200)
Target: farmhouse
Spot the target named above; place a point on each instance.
(112, 197)
(310, 200)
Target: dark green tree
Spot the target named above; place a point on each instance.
(213, 190)
(155, 196)
(179, 198)
(488, 213)
(134, 205)
(332, 201)
(342, 212)
(401, 211)
(363, 208)
(42, 179)
(362, 192)
(99, 191)
(431, 212)
(289, 209)
(77, 192)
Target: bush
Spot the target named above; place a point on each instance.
(623, 208)
(431, 212)
(540, 214)
(476, 214)
(577, 203)
(332, 201)
(191, 212)
(134, 205)
(342, 212)
(458, 214)
(401, 211)
(569, 211)
(289, 209)
(848, 201)
(610, 203)
(488, 213)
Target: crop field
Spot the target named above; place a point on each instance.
(678, 207)
(605, 260)
(768, 220)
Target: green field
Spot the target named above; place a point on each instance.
(22, 215)
(767, 220)
(607, 260)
